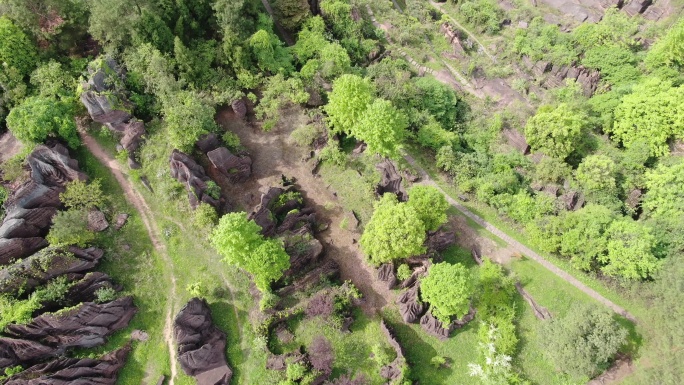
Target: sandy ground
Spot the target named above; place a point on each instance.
(9, 146)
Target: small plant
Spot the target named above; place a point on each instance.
(403, 272)
(268, 300)
(289, 196)
(205, 216)
(380, 355)
(231, 140)
(105, 294)
(438, 361)
(305, 135)
(344, 223)
(213, 190)
(79, 195)
(9, 372)
(197, 289)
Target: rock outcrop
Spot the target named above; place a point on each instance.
(554, 75)
(30, 208)
(49, 335)
(387, 275)
(185, 170)
(391, 180)
(410, 306)
(433, 326)
(97, 221)
(235, 168)
(393, 371)
(45, 265)
(201, 345)
(208, 142)
(74, 371)
(104, 98)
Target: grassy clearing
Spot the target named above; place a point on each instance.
(354, 189)
(131, 261)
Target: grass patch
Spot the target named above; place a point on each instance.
(356, 192)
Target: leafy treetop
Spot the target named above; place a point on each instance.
(447, 288)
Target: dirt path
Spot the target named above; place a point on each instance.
(135, 199)
(9, 146)
(275, 155)
(519, 247)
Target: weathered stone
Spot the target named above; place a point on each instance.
(41, 267)
(201, 345)
(15, 248)
(434, 326)
(234, 168)
(239, 107)
(208, 142)
(262, 213)
(185, 170)
(391, 180)
(120, 221)
(97, 221)
(440, 240)
(387, 275)
(74, 371)
(410, 307)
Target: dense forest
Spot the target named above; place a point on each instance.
(341, 192)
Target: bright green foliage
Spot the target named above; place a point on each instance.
(485, 14)
(17, 311)
(447, 288)
(438, 99)
(187, 117)
(395, 231)
(615, 29)
(279, 92)
(618, 65)
(51, 80)
(583, 237)
(205, 216)
(268, 50)
(552, 170)
(430, 205)
(70, 228)
(154, 68)
(383, 127)
(581, 343)
(403, 272)
(311, 40)
(350, 97)
(105, 294)
(15, 48)
(495, 291)
(197, 289)
(597, 172)
(291, 13)
(240, 242)
(37, 118)
(81, 196)
(630, 249)
(665, 196)
(334, 60)
(381, 355)
(654, 111)
(542, 41)
(432, 135)
(555, 131)
(668, 50)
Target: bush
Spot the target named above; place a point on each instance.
(38, 118)
(70, 228)
(305, 135)
(438, 361)
(105, 294)
(447, 288)
(205, 216)
(197, 289)
(81, 196)
(433, 136)
(213, 190)
(403, 272)
(231, 140)
(381, 355)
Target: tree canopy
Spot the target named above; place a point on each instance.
(430, 205)
(350, 96)
(447, 288)
(555, 131)
(15, 47)
(581, 343)
(382, 127)
(188, 117)
(37, 118)
(395, 231)
(240, 242)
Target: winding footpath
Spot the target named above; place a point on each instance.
(134, 198)
(522, 249)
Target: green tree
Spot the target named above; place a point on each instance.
(438, 99)
(80, 195)
(552, 170)
(70, 228)
(581, 343)
(394, 232)
(240, 242)
(447, 288)
(430, 205)
(187, 117)
(205, 216)
(279, 92)
(350, 97)
(311, 40)
(555, 131)
(596, 173)
(16, 50)
(383, 127)
(51, 80)
(665, 196)
(629, 250)
(583, 238)
(268, 50)
(669, 49)
(654, 111)
(37, 117)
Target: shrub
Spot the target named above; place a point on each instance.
(438, 361)
(105, 294)
(403, 272)
(70, 228)
(447, 288)
(381, 355)
(305, 135)
(197, 289)
(205, 216)
(231, 140)
(81, 196)
(213, 190)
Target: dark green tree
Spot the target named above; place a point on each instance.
(37, 118)
(430, 205)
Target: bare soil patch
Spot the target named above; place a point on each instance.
(9, 146)
(274, 155)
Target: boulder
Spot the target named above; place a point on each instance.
(120, 221)
(74, 371)
(83, 326)
(434, 327)
(49, 335)
(387, 275)
(208, 142)
(133, 130)
(329, 270)
(38, 269)
(304, 250)
(201, 345)
(97, 221)
(106, 108)
(53, 167)
(262, 214)
(234, 168)
(391, 180)
(15, 248)
(440, 240)
(185, 170)
(410, 307)
(239, 107)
